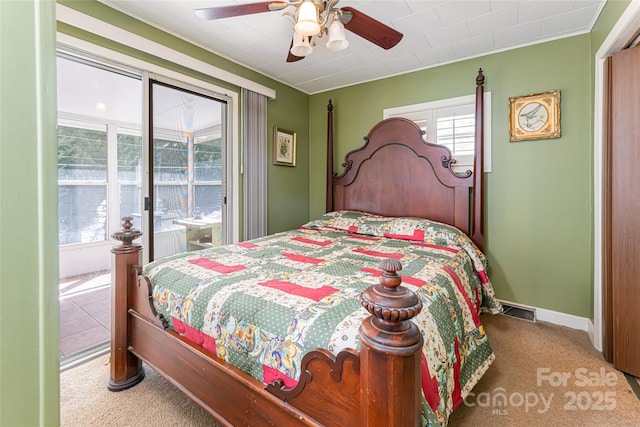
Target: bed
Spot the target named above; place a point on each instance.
(316, 326)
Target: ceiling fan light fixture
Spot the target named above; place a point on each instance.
(307, 21)
(301, 46)
(313, 19)
(337, 35)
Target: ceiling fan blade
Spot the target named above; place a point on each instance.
(290, 56)
(237, 10)
(370, 29)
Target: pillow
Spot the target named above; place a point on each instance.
(350, 221)
(403, 228)
(416, 230)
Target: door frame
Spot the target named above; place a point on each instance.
(624, 29)
(229, 222)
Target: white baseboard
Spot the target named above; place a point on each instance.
(592, 335)
(558, 318)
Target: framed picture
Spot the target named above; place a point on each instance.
(535, 116)
(284, 147)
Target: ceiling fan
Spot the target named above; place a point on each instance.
(314, 19)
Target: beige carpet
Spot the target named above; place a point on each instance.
(556, 369)
(577, 387)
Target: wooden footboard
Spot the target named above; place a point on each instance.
(380, 385)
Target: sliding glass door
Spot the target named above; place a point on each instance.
(187, 196)
(132, 144)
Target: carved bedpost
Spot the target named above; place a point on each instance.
(329, 157)
(390, 353)
(126, 369)
(478, 166)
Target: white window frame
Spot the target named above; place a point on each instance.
(429, 111)
(111, 182)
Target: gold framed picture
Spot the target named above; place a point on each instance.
(284, 147)
(535, 116)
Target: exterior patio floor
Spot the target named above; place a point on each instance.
(85, 314)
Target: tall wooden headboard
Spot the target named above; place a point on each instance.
(397, 173)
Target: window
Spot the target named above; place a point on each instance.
(82, 178)
(99, 149)
(84, 174)
(178, 175)
(451, 122)
(208, 175)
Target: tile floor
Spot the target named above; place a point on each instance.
(85, 313)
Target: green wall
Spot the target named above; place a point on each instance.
(28, 224)
(539, 217)
(288, 188)
(538, 196)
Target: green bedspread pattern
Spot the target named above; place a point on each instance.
(262, 304)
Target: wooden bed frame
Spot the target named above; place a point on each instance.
(395, 174)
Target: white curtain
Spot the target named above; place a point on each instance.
(254, 147)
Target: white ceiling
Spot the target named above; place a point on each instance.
(97, 95)
(435, 32)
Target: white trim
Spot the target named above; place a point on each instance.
(623, 30)
(146, 162)
(563, 319)
(131, 62)
(113, 186)
(111, 32)
(94, 123)
(591, 331)
(452, 102)
(557, 318)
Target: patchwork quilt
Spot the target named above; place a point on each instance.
(262, 304)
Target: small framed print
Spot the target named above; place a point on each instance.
(535, 116)
(284, 147)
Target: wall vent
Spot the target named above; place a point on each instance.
(520, 312)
